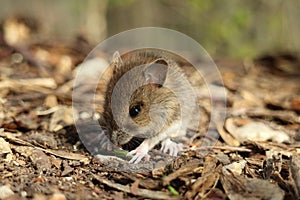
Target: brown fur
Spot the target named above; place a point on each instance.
(145, 125)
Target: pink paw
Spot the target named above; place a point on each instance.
(138, 154)
(172, 147)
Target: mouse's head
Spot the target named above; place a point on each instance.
(137, 104)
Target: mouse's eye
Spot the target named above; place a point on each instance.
(135, 110)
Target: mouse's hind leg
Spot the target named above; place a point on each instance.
(171, 147)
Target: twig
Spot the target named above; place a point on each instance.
(140, 192)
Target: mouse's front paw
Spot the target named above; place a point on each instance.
(138, 154)
(173, 147)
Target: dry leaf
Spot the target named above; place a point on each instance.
(56, 161)
(135, 187)
(61, 117)
(236, 167)
(5, 151)
(203, 185)
(4, 147)
(46, 141)
(238, 187)
(295, 103)
(5, 192)
(40, 160)
(231, 141)
(256, 131)
(66, 168)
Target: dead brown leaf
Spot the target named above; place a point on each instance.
(256, 131)
(135, 187)
(238, 187)
(62, 117)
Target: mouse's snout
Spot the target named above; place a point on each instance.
(119, 137)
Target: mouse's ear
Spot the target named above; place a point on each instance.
(156, 72)
(116, 59)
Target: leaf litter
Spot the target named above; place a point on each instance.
(256, 157)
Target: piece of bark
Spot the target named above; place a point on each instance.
(238, 187)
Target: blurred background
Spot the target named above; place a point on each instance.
(235, 28)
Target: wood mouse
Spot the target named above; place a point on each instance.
(148, 96)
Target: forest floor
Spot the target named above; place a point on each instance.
(257, 155)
